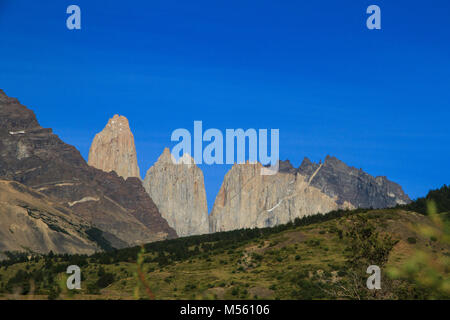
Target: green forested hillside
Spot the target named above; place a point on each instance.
(441, 198)
(317, 257)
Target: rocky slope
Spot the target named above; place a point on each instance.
(31, 221)
(37, 158)
(336, 179)
(179, 193)
(113, 149)
(248, 199)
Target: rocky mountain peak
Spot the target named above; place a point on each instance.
(286, 166)
(4, 99)
(14, 117)
(349, 184)
(308, 167)
(306, 161)
(178, 190)
(248, 199)
(39, 160)
(168, 158)
(118, 123)
(113, 149)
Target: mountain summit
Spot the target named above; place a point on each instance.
(113, 149)
(37, 158)
(349, 184)
(178, 189)
(248, 199)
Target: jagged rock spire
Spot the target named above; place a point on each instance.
(178, 190)
(113, 149)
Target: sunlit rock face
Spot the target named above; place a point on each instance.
(36, 158)
(248, 199)
(178, 190)
(113, 149)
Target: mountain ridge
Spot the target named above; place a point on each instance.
(37, 158)
(247, 199)
(113, 197)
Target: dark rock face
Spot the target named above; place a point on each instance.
(362, 190)
(307, 167)
(286, 167)
(37, 158)
(31, 221)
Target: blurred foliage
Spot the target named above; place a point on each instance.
(429, 274)
(141, 281)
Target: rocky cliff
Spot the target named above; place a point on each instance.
(37, 158)
(31, 221)
(179, 193)
(113, 149)
(336, 179)
(248, 199)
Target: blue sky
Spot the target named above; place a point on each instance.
(378, 100)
